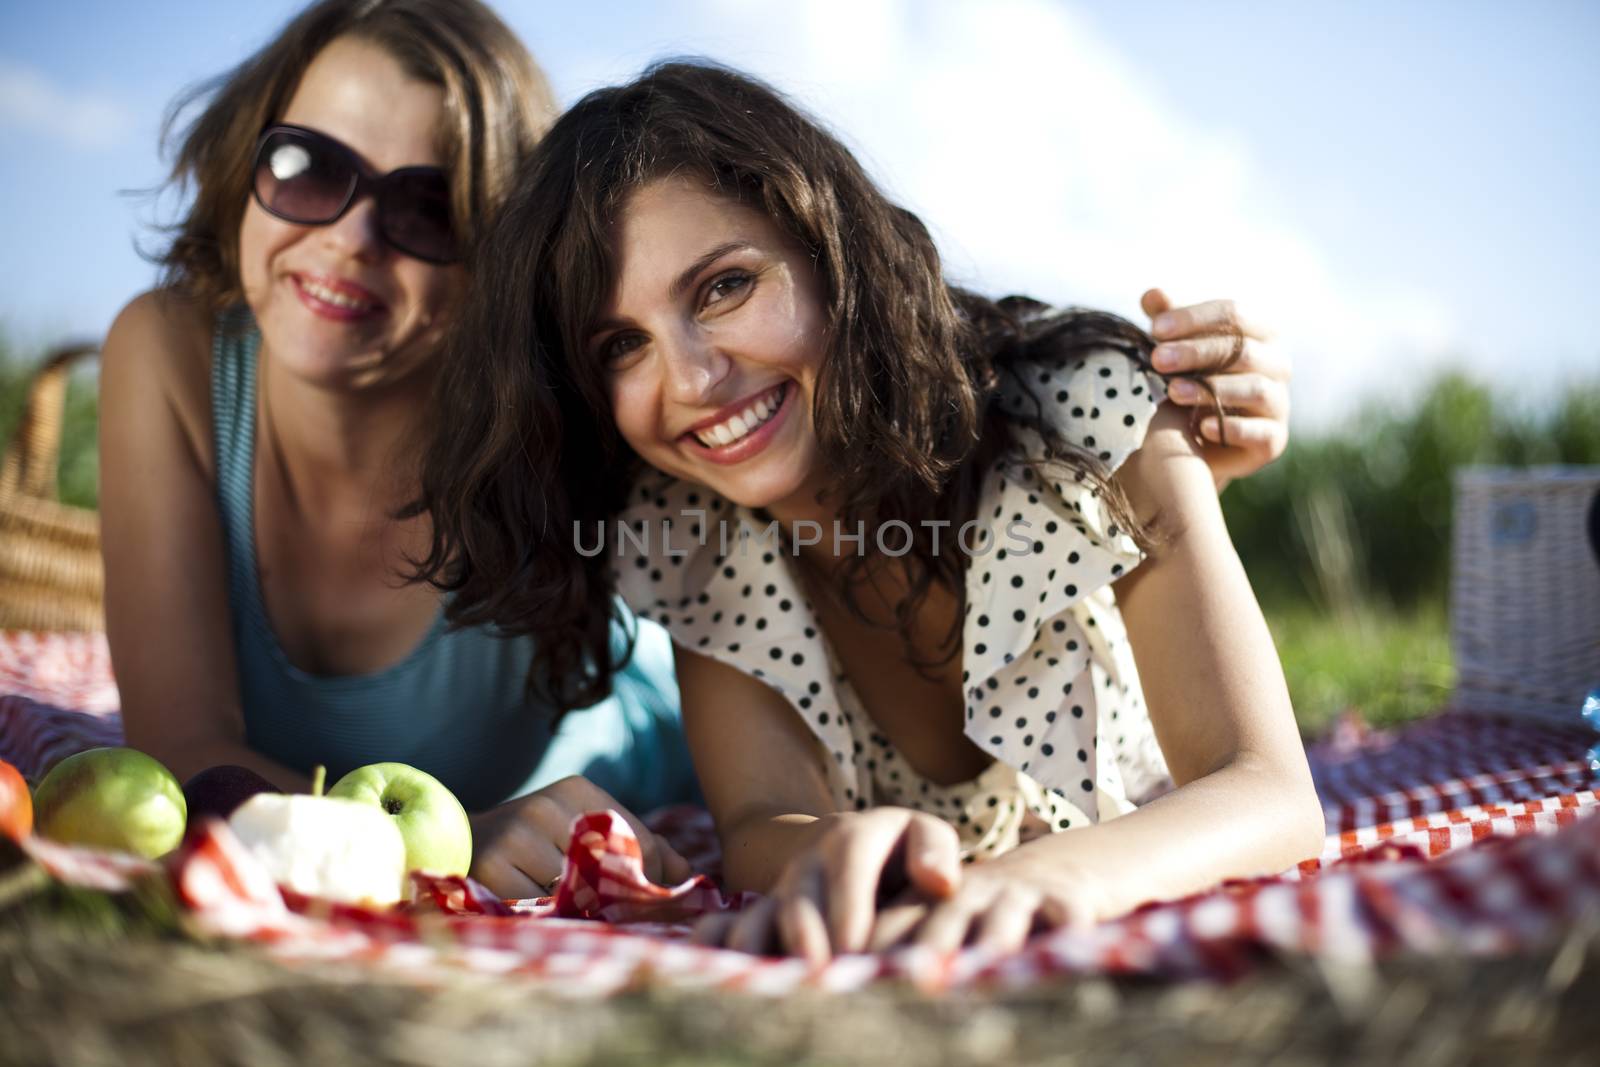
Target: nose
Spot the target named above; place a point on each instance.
(356, 233)
(694, 367)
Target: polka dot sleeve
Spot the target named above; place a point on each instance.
(1047, 667)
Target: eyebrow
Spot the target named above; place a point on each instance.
(681, 284)
(683, 281)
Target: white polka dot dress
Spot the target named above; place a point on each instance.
(1051, 688)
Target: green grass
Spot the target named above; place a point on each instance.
(1391, 665)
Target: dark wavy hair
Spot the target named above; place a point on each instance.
(907, 415)
(496, 103)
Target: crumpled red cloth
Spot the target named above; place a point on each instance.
(603, 878)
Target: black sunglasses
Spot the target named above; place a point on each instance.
(308, 178)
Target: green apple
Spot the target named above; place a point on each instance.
(114, 798)
(432, 821)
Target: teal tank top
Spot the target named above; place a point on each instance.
(454, 706)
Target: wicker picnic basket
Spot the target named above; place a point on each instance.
(50, 572)
(1525, 590)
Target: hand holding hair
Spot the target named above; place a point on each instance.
(1224, 362)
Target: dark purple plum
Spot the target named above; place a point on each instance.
(216, 791)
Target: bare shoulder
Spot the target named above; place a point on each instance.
(165, 333)
(157, 354)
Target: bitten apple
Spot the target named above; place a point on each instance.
(114, 798)
(323, 846)
(432, 821)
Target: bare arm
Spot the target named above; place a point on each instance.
(760, 769)
(1217, 698)
(167, 615)
(1245, 804)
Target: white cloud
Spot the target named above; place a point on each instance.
(1048, 164)
(31, 102)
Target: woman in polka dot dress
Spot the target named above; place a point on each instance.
(946, 578)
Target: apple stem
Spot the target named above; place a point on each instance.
(319, 775)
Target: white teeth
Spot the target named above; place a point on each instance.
(744, 423)
(330, 296)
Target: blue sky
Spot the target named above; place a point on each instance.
(1396, 185)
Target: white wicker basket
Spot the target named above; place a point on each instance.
(1524, 591)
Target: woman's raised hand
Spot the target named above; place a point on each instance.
(1253, 388)
(519, 846)
(826, 901)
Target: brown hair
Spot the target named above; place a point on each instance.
(496, 99)
(907, 415)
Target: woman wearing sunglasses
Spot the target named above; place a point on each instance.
(260, 413)
(261, 423)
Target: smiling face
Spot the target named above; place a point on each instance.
(712, 341)
(337, 306)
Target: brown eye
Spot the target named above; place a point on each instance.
(728, 285)
(620, 347)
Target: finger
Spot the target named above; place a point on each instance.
(1245, 394)
(530, 850)
(1154, 302)
(546, 816)
(1004, 926)
(674, 867)
(505, 881)
(713, 929)
(947, 925)
(847, 891)
(1058, 910)
(933, 857)
(752, 931)
(895, 924)
(1199, 354)
(662, 863)
(1267, 437)
(800, 924)
(1213, 316)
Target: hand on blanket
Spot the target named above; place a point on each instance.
(518, 847)
(1253, 391)
(826, 901)
(998, 906)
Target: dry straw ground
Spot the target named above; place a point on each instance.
(92, 982)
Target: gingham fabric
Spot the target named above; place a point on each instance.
(68, 670)
(1462, 834)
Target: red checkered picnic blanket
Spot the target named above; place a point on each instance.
(1461, 833)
